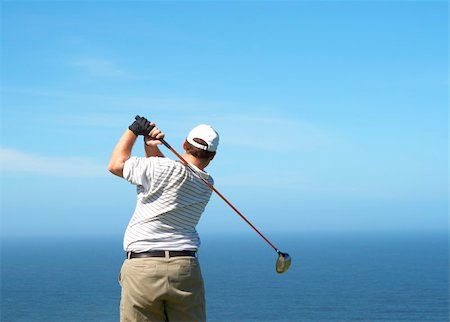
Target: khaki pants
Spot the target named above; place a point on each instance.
(162, 289)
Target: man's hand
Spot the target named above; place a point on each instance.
(153, 138)
(141, 126)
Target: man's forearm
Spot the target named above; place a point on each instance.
(121, 153)
(152, 151)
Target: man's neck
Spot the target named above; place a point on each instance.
(201, 164)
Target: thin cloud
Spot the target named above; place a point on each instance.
(101, 68)
(261, 130)
(15, 161)
(134, 103)
(274, 133)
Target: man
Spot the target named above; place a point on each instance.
(161, 278)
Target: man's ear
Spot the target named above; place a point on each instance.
(184, 145)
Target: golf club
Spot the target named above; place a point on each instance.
(284, 260)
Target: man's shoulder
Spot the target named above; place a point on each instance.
(162, 160)
(164, 163)
(151, 161)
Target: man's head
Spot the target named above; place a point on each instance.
(202, 142)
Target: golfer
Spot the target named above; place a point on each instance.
(160, 277)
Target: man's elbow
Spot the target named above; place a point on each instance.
(116, 169)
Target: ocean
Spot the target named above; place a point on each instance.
(334, 277)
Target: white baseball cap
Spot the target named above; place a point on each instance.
(207, 134)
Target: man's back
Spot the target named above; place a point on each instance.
(170, 202)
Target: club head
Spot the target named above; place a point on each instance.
(283, 262)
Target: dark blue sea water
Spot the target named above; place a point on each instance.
(334, 277)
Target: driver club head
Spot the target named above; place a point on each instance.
(283, 262)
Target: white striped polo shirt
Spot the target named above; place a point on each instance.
(170, 201)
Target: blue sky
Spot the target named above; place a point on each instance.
(332, 115)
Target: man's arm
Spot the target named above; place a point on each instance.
(121, 153)
(122, 150)
(151, 142)
(152, 151)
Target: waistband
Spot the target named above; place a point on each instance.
(162, 253)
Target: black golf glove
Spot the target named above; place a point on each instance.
(141, 126)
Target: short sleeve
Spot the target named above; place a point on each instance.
(135, 170)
